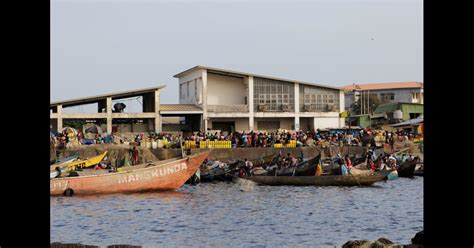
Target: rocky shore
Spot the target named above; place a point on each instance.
(416, 242)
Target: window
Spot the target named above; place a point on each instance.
(331, 99)
(319, 99)
(182, 91)
(276, 93)
(313, 99)
(325, 98)
(187, 89)
(274, 97)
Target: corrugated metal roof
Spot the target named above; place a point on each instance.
(384, 86)
(179, 107)
(251, 74)
(386, 108)
(91, 99)
(410, 122)
(392, 107)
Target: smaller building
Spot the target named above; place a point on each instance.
(386, 114)
(404, 92)
(398, 111)
(412, 125)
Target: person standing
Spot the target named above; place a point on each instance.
(135, 156)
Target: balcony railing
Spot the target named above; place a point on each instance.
(228, 108)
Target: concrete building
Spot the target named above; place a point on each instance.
(148, 119)
(404, 92)
(232, 100)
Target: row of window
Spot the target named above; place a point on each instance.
(273, 98)
(318, 98)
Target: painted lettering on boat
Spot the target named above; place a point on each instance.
(58, 185)
(140, 175)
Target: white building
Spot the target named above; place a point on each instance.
(232, 100)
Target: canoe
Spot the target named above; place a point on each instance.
(308, 167)
(65, 160)
(418, 173)
(80, 164)
(154, 176)
(263, 161)
(406, 169)
(304, 168)
(418, 170)
(347, 180)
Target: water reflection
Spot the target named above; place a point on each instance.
(219, 214)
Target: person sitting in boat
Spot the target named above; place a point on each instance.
(288, 160)
(392, 162)
(348, 162)
(248, 164)
(58, 170)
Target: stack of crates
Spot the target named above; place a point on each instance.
(292, 144)
(215, 144)
(189, 144)
(278, 145)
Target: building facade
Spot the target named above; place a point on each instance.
(238, 101)
(404, 92)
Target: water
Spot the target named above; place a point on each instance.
(220, 214)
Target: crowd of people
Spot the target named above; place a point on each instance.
(65, 138)
(308, 138)
(355, 137)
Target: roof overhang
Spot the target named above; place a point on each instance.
(245, 74)
(115, 95)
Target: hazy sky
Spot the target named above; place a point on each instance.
(105, 46)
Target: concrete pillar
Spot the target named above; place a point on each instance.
(342, 121)
(297, 98)
(157, 112)
(109, 115)
(251, 103)
(204, 98)
(297, 122)
(297, 106)
(315, 123)
(60, 117)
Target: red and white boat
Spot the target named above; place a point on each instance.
(168, 174)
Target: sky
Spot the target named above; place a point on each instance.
(103, 46)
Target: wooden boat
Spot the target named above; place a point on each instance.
(80, 164)
(308, 167)
(304, 168)
(347, 180)
(163, 175)
(418, 170)
(406, 169)
(263, 161)
(65, 160)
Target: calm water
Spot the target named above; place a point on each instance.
(220, 214)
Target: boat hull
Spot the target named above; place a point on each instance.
(347, 180)
(168, 176)
(407, 169)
